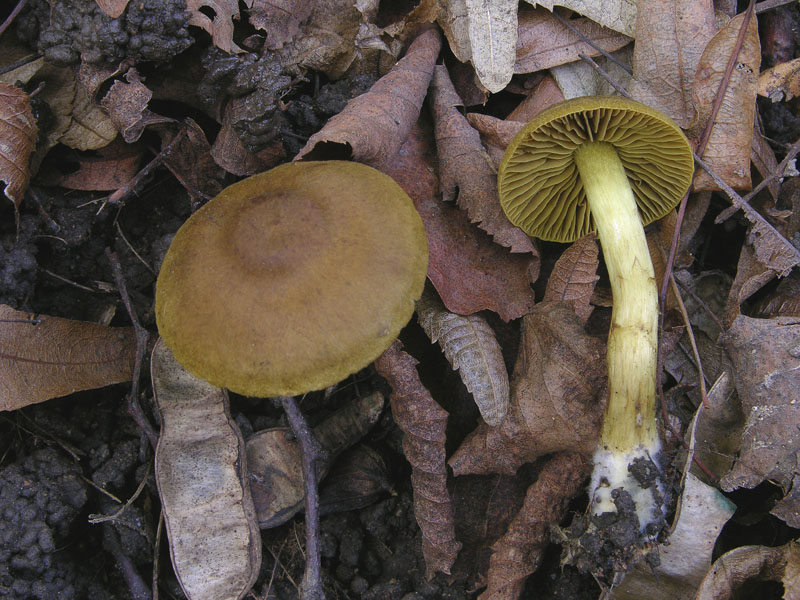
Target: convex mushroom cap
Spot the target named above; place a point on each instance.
(290, 280)
(540, 187)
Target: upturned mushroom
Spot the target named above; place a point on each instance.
(610, 165)
(288, 282)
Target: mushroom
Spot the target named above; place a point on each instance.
(293, 279)
(288, 282)
(612, 165)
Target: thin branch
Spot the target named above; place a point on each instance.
(12, 16)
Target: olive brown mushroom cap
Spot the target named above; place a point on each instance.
(292, 279)
(539, 184)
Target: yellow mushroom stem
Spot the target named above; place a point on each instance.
(629, 430)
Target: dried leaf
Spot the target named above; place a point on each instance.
(619, 15)
(520, 551)
(423, 423)
(781, 82)
(545, 42)
(766, 356)
(465, 171)
(113, 8)
(759, 563)
(728, 149)
(469, 271)
(751, 276)
(670, 38)
(219, 25)
(492, 26)
(191, 163)
(687, 556)
(126, 103)
(359, 478)
(56, 357)
(18, 132)
(574, 276)
(274, 458)
(471, 348)
(110, 168)
(202, 480)
(279, 18)
(496, 134)
(578, 78)
(556, 388)
(230, 154)
(373, 126)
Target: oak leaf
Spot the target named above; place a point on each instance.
(471, 348)
(48, 357)
(220, 22)
(18, 132)
(423, 423)
(465, 170)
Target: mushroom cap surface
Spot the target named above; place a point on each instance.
(290, 280)
(539, 184)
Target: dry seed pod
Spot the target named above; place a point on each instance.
(214, 540)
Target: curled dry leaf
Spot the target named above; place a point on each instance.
(200, 462)
(557, 397)
(215, 17)
(55, 357)
(279, 18)
(751, 276)
(471, 348)
(465, 171)
(470, 272)
(423, 423)
(753, 563)
(619, 15)
(519, 552)
(545, 42)
(373, 126)
(274, 458)
(496, 134)
(492, 27)
(766, 357)
(670, 38)
(110, 168)
(18, 132)
(126, 103)
(728, 149)
(781, 82)
(574, 276)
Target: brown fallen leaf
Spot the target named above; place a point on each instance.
(728, 149)
(465, 170)
(574, 277)
(766, 357)
(191, 163)
(113, 8)
(470, 346)
(670, 38)
(110, 168)
(751, 276)
(126, 103)
(373, 126)
(619, 15)
(519, 552)
(544, 95)
(229, 152)
(215, 17)
(781, 82)
(279, 18)
(201, 473)
(423, 423)
(753, 563)
(465, 266)
(18, 132)
(556, 387)
(545, 42)
(55, 357)
(492, 28)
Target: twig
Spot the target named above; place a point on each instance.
(12, 16)
(97, 518)
(780, 170)
(132, 249)
(690, 331)
(702, 303)
(136, 585)
(312, 451)
(142, 336)
(770, 4)
(586, 40)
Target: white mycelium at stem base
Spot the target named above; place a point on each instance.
(629, 429)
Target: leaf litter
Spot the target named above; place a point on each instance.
(706, 76)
